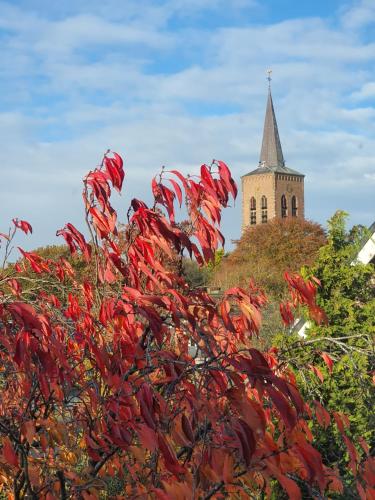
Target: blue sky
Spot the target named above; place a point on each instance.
(177, 83)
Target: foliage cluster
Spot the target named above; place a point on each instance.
(347, 295)
(101, 389)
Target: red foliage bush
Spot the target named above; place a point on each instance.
(131, 375)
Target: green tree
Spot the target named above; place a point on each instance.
(194, 275)
(200, 276)
(347, 294)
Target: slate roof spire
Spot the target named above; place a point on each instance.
(271, 154)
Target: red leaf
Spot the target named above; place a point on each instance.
(23, 225)
(28, 430)
(146, 400)
(318, 315)
(251, 411)
(225, 175)
(225, 314)
(353, 453)
(328, 361)
(25, 315)
(114, 171)
(290, 487)
(246, 439)
(288, 484)
(312, 459)
(286, 411)
(322, 415)
(286, 313)
(181, 177)
(9, 454)
(169, 456)
(361, 491)
(18, 268)
(15, 287)
(168, 197)
(186, 427)
(368, 471)
(317, 372)
(365, 447)
(147, 437)
(37, 263)
(75, 240)
(177, 190)
(342, 421)
(104, 223)
(288, 389)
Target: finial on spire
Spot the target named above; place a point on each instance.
(269, 73)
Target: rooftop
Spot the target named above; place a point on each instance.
(271, 155)
(264, 169)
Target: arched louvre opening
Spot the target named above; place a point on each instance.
(253, 211)
(294, 206)
(264, 209)
(284, 207)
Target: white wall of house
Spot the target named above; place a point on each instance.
(301, 328)
(367, 252)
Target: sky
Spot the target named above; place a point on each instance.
(179, 83)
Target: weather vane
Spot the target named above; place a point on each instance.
(269, 73)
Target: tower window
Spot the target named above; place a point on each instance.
(284, 207)
(264, 209)
(253, 211)
(294, 206)
(253, 203)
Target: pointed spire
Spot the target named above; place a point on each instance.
(271, 154)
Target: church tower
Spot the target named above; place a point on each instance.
(273, 189)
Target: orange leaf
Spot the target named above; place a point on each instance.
(342, 421)
(228, 468)
(28, 430)
(364, 446)
(290, 487)
(147, 437)
(322, 415)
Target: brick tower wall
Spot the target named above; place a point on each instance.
(289, 185)
(257, 186)
(273, 186)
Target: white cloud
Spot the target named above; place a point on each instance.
(81, 31)
(367, 91)
(359, 15)
(93, 82)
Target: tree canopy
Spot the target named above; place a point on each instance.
(346, 341)
(266, 251)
